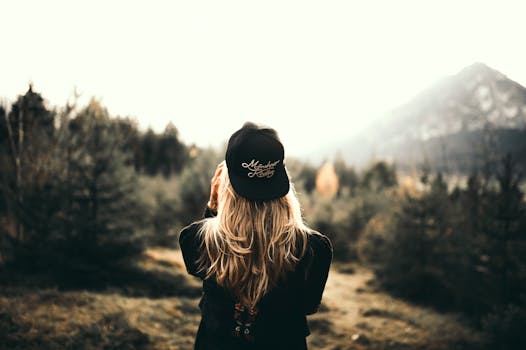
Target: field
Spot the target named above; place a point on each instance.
(153, 305)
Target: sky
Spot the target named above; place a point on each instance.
(317, 71)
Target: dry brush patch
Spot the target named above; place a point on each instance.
(87, 320)
(356, 315)
(157, 309)
(353, 315)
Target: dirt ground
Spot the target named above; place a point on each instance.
(354, 315)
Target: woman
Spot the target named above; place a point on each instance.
(263, 270)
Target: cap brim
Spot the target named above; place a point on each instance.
(261, 189)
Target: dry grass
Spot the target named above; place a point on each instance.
(353, 316)
(363, 318)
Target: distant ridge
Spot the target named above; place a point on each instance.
(461, 123)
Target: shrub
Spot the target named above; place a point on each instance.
(505, 327)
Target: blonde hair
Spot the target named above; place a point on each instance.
(249, 246)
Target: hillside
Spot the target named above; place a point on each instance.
(462, 122)
(354, 315)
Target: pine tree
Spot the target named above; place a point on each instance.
(379, 176)
(506, 235)
(505, 277)
(99, 189)
(149, 147)
(27, 142)
(172, 154)
(413, 261)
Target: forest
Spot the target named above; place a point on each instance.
(91, 208)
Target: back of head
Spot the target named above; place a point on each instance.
(258, 234)
(255, 159)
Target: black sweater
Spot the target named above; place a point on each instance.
(281, 320)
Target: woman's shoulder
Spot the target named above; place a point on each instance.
(194, 228)
(318, 245)
(319, 242)
(190, 232)
(190, 244)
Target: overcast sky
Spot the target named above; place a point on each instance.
(317, 71)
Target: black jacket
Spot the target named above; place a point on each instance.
(281, 320)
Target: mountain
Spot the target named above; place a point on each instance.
(465, 121)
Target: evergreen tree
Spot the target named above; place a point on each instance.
(348, 179)
(506, 235)
(101, 211)
(28, 130)
(128, 130)
(172, 154)
(413, 259)
(379, 177)
(4, 160)
(149, 147)
(307, 176)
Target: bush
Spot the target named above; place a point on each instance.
(505, 327)
(194, 185)
(344, 219)
(462, 251)
(371, 246)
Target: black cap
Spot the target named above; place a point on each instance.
(255, 161)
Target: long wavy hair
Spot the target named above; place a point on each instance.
(251, 245)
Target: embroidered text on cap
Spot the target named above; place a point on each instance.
(260, 170)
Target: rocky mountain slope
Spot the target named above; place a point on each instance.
(465, 121)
